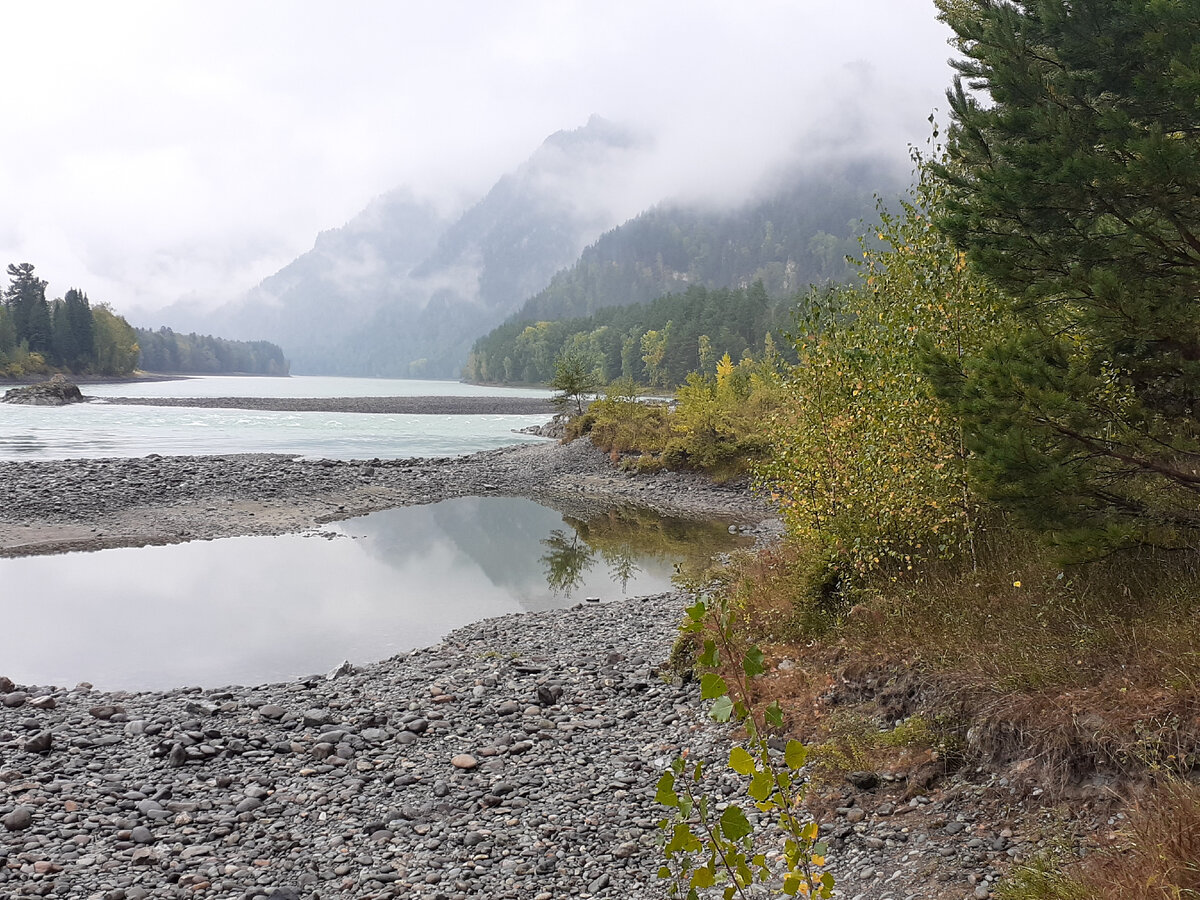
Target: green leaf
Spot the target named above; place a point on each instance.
(679, 839)
(734, 823)
(697, 611)
(761, 786)
(712, 685)
(666, 790)
(703, 878)
(754, 663)
(741, 761)
(729, 893)
(791, 883)
(722, 709)
(683, 840)
(664, 872)
(795, 754)
(745, 877)
(710, 658)
(774, 715)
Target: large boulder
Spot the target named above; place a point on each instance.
(55, 392)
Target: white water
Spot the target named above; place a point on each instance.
(99, 429)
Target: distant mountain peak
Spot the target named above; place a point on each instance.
(401, 290)
(597, 131)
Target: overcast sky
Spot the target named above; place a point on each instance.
(155, 150)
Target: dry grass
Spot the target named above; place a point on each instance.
(1068, 671)
(1047, 673)
(1157, 857)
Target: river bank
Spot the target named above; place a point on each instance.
(54, 506)
(516, 759)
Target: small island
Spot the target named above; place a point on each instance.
(58, 391)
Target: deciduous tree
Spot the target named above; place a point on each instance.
(574, 378)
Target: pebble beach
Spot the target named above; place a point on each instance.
(518, 758)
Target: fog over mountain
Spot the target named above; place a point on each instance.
(159, 155)
(402, 290)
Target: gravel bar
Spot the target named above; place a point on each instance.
(52, 506)
(516, 759)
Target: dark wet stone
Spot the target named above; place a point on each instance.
(40, 743)
(864, 781)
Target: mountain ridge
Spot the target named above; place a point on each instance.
(404, 290)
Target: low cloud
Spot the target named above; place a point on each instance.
(188, 150)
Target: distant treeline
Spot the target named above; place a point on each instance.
(38, 337)
(70, 335)
(655, 343)
(201, 354)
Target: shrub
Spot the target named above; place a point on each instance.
(865, 459)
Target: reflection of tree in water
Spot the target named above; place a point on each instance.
(616, 545)
(566, 561)
(623, 538)
(621, 564)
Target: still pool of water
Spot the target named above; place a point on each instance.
(254, 610)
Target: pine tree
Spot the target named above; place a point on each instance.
(23, 297)
(1074, 186)
(79, 320)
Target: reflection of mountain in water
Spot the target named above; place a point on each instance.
(495, 534)
(507, 539)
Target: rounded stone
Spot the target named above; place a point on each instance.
(19, 819)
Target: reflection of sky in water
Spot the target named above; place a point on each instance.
(257, 609)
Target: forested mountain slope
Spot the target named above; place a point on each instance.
(676, 274)
(796, 234)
